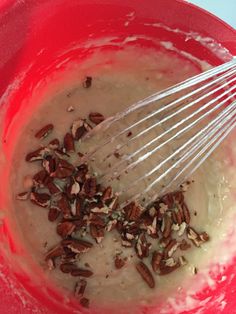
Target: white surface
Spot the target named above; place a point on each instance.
(225, 9)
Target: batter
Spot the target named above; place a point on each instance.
(118, 80)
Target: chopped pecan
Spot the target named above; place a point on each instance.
(182, 261)
(54, 144)
(65, 229)
(166, 226)
(69, 143)
(182, 229)
(168, 200)
(126, 243)
(145, 274)
(111, 225)
(97, 232)
(54, 253)
(196, 238)
(79, 206)
(142, 246)
(77, 246)
(107, 194)
(184, 245)
(23, 196)
(67, 267)
(53, 213)
(96, 117)
(87, 83)
(38, 154)
(40, 178)
(171, 248)
(164, 242)
(64, 169)
(186, 213)
(42, 133)
(156, 260)
(168, 266)
(204, 237)
(49, 164)
(81, 272)
(80, 288)
(179, 197)
(177, 215)
(70, 109)
(64, 205)
(81, 172)
(90, 187)
(133, 211)
(40, 199)
(74, 188)
(97, 220)
(119, 262)
(52, 187)
(84, 302)
(79, 128)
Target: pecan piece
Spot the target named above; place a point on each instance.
(53, 213)
(168, 266)
(119, 262)
(194, 236)
(97, 233)
(52, 187)
(168, 200)
(87, 82)
(107, 194)
(64, 205)
(49, 164)
(96, 117)
(69, 143)
(90, 187)
(52, 255)
(80, 287)
(23, 196)
(77, 246)
(84, 302)
(156, 260)
(64, 169)
(65, 229)
(179, 197)
(40, 178)
(132, 211)
(44, 132)
(79, 128)
(186, 213)
(184, 245)
(54, 144)
(146, 274)
(142, 246)
(40, 199)
(81, 272)
(166, 226)
(171, 248)
(38, 154)
(81, 172)
(67, 267)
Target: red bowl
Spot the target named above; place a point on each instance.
(36, 36)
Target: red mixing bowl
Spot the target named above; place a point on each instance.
(36, 36)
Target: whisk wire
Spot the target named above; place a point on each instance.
(195, 117)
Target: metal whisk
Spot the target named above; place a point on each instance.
(157, 143)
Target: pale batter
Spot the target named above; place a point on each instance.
(125, 78)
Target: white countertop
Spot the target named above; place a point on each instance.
(225, 9)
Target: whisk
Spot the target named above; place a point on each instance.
(158, 142)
